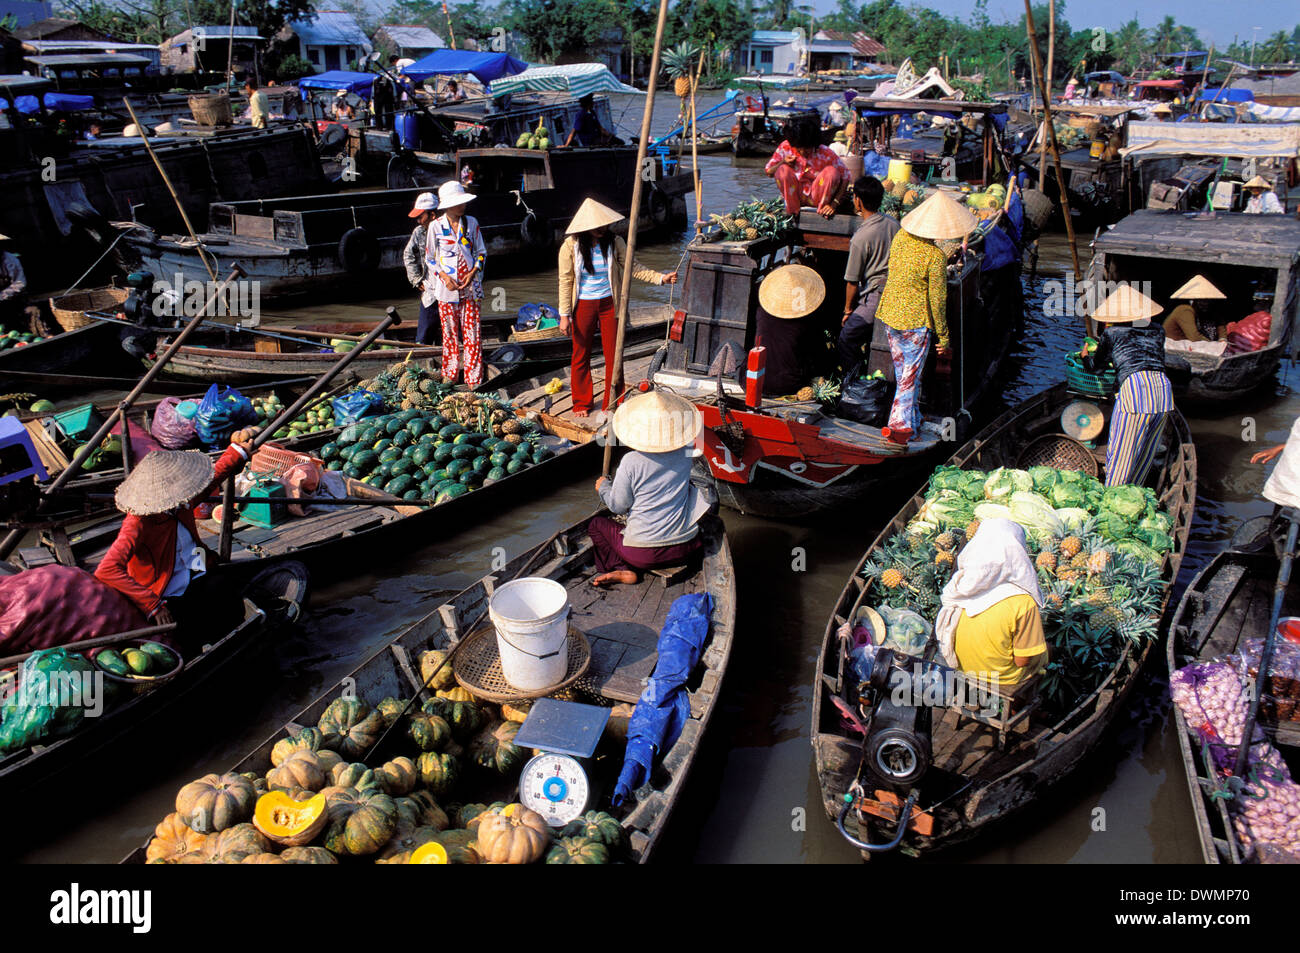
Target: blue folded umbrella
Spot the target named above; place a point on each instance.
(664, 706)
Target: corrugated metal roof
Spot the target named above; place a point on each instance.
(776, 37)
(862, 44)
(226, 32)
(831, 46)
(330, 28)
(418, 37)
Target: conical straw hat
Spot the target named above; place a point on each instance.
(657, 422)
(593, 215)
(792, 291)
(164, 480)
(1082, 420)
(1198, 287)
(939, 217)
(1125, 303)
(1258, 182)
(1163, 109)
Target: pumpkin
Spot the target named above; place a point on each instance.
(464, 813)
(308, 855)
(354, 775)
(429, 732)
(233, 844)
(406, 838)
(465, 718)
(391, 708)
(449, 847)
(172, 839)
(309, 739)
(349, 727)
(515, 711)
(328, 759)
(578, 850)
(266, 858)
(397, 777)
(288, 821)
(438, 772)
(597, 826)
(429, 814)
(456, 694)
(515, 836)
(429, 661)
(496, 807)
(360, 822)
(301, 769)
(259, 782)
(216, 802)
(494, 748)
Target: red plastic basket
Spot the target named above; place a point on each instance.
(273, 460)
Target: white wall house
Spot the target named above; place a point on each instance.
(331, 41)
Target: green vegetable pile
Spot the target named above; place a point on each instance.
(317, 417)
(754, 219)
(972, 92)
(1098, 552)
(18, 339)
(471, 441)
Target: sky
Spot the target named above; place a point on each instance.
(1207, 17)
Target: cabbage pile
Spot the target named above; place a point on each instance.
(1048, 503)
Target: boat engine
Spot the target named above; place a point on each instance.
(897, 693)
(138, 307)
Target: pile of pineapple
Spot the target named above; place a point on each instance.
(900, 198)
(539, 138)
(823, 390)
(408, 385)
(754, 219)
(487, 415)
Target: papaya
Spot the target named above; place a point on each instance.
(110, 660)
(139, 661)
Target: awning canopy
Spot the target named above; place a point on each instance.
(1251, 112)
(1228, 140)
(55, 102)
(1220, 95)
(576, 79)
(485, 67)
(359, 83)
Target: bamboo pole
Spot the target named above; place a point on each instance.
(1047, 77)
(230, 47)
(1206, 72)
(1056, 152)
(625, 289)
(695, 153)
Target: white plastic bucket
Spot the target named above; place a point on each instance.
(531, 616)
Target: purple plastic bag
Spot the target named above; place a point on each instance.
(169, 428)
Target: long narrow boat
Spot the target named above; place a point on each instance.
(972, 782)
(622, 626)
(1231, 600)
(23, 771)
(53, 364)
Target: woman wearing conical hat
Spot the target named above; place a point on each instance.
(1136, 347)
(1191, 321)
(592, 260)
(652, 488)
(157, 560)
(913, 306)
(1262, 200)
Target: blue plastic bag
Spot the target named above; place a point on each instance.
(221, 413)
(350, 408)
(527, 317)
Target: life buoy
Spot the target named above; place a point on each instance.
(660, 207)
(535, 231)
(358, 251)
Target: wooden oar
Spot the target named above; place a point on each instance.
(144, 633)
(123, 408)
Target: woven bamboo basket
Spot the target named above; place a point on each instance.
(212, 109)
(70, 310)
(1059, 451)
(545, 334)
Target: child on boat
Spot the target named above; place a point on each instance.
(652, 488)
(807, 172)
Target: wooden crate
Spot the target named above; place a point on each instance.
(720, 297)
(52, 458)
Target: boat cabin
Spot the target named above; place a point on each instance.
(86, 72)
(1253, 259)
(946, 139)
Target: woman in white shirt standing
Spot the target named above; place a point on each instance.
(456, 254)
(591, 269)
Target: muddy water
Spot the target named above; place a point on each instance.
(753, 796)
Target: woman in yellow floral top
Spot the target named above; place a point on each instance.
(914, 303)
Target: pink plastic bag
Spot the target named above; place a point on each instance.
(300, 480)
(169, 428)
(1250, 333)
(54, 605)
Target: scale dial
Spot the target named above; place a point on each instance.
(556, 787)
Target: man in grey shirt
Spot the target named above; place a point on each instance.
(866, 271)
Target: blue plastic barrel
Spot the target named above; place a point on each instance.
(408, 130)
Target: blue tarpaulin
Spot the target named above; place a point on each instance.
(1218, 94)
(347, 80)
(664, 707)
(483, 66)
(55, 102)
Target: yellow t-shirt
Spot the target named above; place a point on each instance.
(987, 644)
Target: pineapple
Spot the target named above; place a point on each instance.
(1080, 562)
(728, 223)
(1068, 575)
(1098, 560)
(947, 541)
(751, 233)
(971, 529)
(679, 62)
(1046, 562)
(1070, 546)
(741, 223)
(805, 393)
(944, 558)
(891, 578)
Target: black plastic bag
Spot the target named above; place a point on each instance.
(865, 399)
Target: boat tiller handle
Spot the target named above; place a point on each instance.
(904, 816)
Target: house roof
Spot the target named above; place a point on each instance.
(49, 26)
(832, 46)
(417, 37)
(330, 28)
(25, 13)
(772, 37)
(226, 32)
(862, 44)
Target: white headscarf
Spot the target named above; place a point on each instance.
(994, 566)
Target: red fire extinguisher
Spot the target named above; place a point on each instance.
(755, 368)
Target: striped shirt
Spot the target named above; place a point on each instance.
(594, 286)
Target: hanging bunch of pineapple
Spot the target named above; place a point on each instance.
(679, 64)
(754, 219)
(900, 198)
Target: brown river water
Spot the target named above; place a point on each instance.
(753, 796)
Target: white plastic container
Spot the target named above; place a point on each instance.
(531, 616)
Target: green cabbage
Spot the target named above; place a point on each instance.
(1070, 476)
(1044, 479)
(1004, 481)
(947, 478)
(1036, 515)
(992, 511)
(973, 488)
(1068, 495)
(1126, 501)
(1112, 526)
(1157, 522)
(1073, 518)
(1157, 540)
(1140, 550)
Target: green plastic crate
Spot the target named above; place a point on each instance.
(79, 422)
(1083, 381)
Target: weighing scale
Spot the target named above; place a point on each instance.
(555, 783)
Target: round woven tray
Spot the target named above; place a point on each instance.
(70, 310)
(477, 667)
(1059, 451)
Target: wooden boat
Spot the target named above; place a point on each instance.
(53, 365)
(118, 728)
(622, 626)
(1230, 600)
(974, 783)
(1253, 259)
(972, 154)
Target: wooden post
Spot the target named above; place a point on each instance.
(625, 289)
(230, 49)
(1056, 152)
(1205, 72)
(695, 152)
(1047, 77)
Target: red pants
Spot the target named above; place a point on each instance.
(583, 331)
(612, 554)
(796, 196)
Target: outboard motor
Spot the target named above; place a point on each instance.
(897, 748)
(138, 308)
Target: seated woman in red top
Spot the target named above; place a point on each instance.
(807, 172)
(157, 560)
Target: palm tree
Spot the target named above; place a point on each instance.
(1164, 34)
(1275, 47)
(1127, 45)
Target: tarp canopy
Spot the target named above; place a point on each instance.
(1252, 112)
(55, 102)
(1220, 95)
(576, 79)
(1234, 141)
(346, 80)
(485, 67)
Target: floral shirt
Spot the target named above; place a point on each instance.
(446, 245)
(808, 169)
(916, 289)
